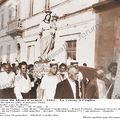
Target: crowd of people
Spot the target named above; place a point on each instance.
(60, 82)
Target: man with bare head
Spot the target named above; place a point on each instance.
(23, 84)
(69, 88)
(73, 73)
(7, 79)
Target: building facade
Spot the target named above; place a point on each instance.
(107, 48)
(75, 31)
(107, 32)
(7, 43)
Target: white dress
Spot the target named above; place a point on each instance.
(101, 89)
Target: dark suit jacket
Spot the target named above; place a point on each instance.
(64, 90)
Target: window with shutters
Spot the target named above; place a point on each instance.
(8, 53)
(38, 6)
(31, 8)
(71, 49)
(10, 15)
(31, 54)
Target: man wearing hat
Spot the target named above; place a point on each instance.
(75, 64)
(49, 82)
(62, 71)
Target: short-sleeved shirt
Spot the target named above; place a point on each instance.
(22, 85)
(48, 84)
(7, 80)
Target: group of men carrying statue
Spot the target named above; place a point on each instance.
(47, 33)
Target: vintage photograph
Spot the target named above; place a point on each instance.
(59, 49)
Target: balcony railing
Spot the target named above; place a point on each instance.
(15, 28)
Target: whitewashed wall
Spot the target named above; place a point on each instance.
(5, 39)
(85, 47)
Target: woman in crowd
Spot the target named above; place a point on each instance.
(112, 68)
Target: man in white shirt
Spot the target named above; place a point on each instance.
(62, 71)
(7, 79)
(49, 82)
(23, 84)
(69, 88)
(75, 64)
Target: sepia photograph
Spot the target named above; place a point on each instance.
(59, 49)
(62, 49)
(60, 59)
